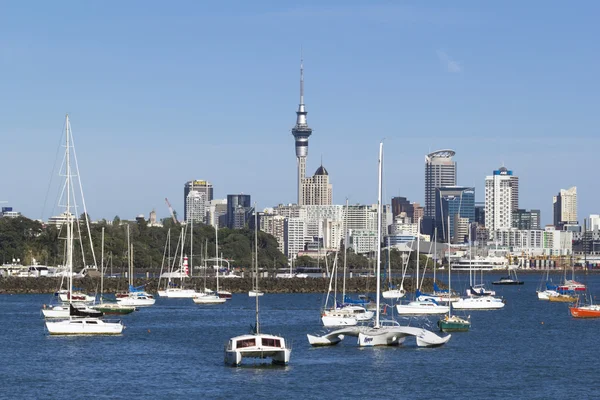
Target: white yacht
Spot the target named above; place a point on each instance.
(478, 303)
(421, 307)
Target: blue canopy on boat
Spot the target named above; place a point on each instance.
(437, 289)
(136, 289)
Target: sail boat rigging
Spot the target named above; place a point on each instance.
(386, 332)
(257, 344)
(77, 325)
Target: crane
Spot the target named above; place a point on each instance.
(171, 211)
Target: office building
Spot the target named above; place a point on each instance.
(526, 219)
(440, 170)
(199, 186)
(239, 209)
(498, 200)
(514, 189)
(458, 203)
(402, 205)
(565, 208)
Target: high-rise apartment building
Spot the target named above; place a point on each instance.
(199, 186)
(458, 203)
(238, 210)
(498, 200)
(440, 170)
(316, 190)
(217, 213)
(565, 208)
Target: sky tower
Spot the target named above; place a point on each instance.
(301, 133)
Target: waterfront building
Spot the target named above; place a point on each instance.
(498, 200)
(200, 186)
(440, 170)
(565, 208)
(317, 190)
(458, 203)
(301, 133)
(550, 241)
(295, 236)
(526, 219)
(239, 209)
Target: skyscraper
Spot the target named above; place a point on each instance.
(316, 190)
(199, 186)
(402, 205)
(238, 210)
(565, 208)
(301, 133)
(458, 203)
(498, 200)
(195, 207)
(440, 170)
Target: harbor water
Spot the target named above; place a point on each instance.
(531, 349)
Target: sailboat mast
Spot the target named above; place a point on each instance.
(418, 252)
(68, 211)
(102, 268)
(192, 241)
(450, 273)
(256, 265)
(217, 253)
(128, 255)
(345, 251)
(379, 234)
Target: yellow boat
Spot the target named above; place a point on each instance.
(563, 298)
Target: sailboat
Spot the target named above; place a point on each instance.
(392, 292)
(452, 323)
(172, 291)
(256, 344)
(136, 296)
(511, 279)
(113, 307)
(255, 292)
(386, 332)
(426, 306)
(76, 325)
(207, 296)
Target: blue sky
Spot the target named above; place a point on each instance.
(163, 92)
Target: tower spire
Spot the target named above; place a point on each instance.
(301, 78)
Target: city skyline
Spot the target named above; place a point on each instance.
(165, 106)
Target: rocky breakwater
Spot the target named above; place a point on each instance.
(13, 285)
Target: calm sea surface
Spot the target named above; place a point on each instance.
(529, 350)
